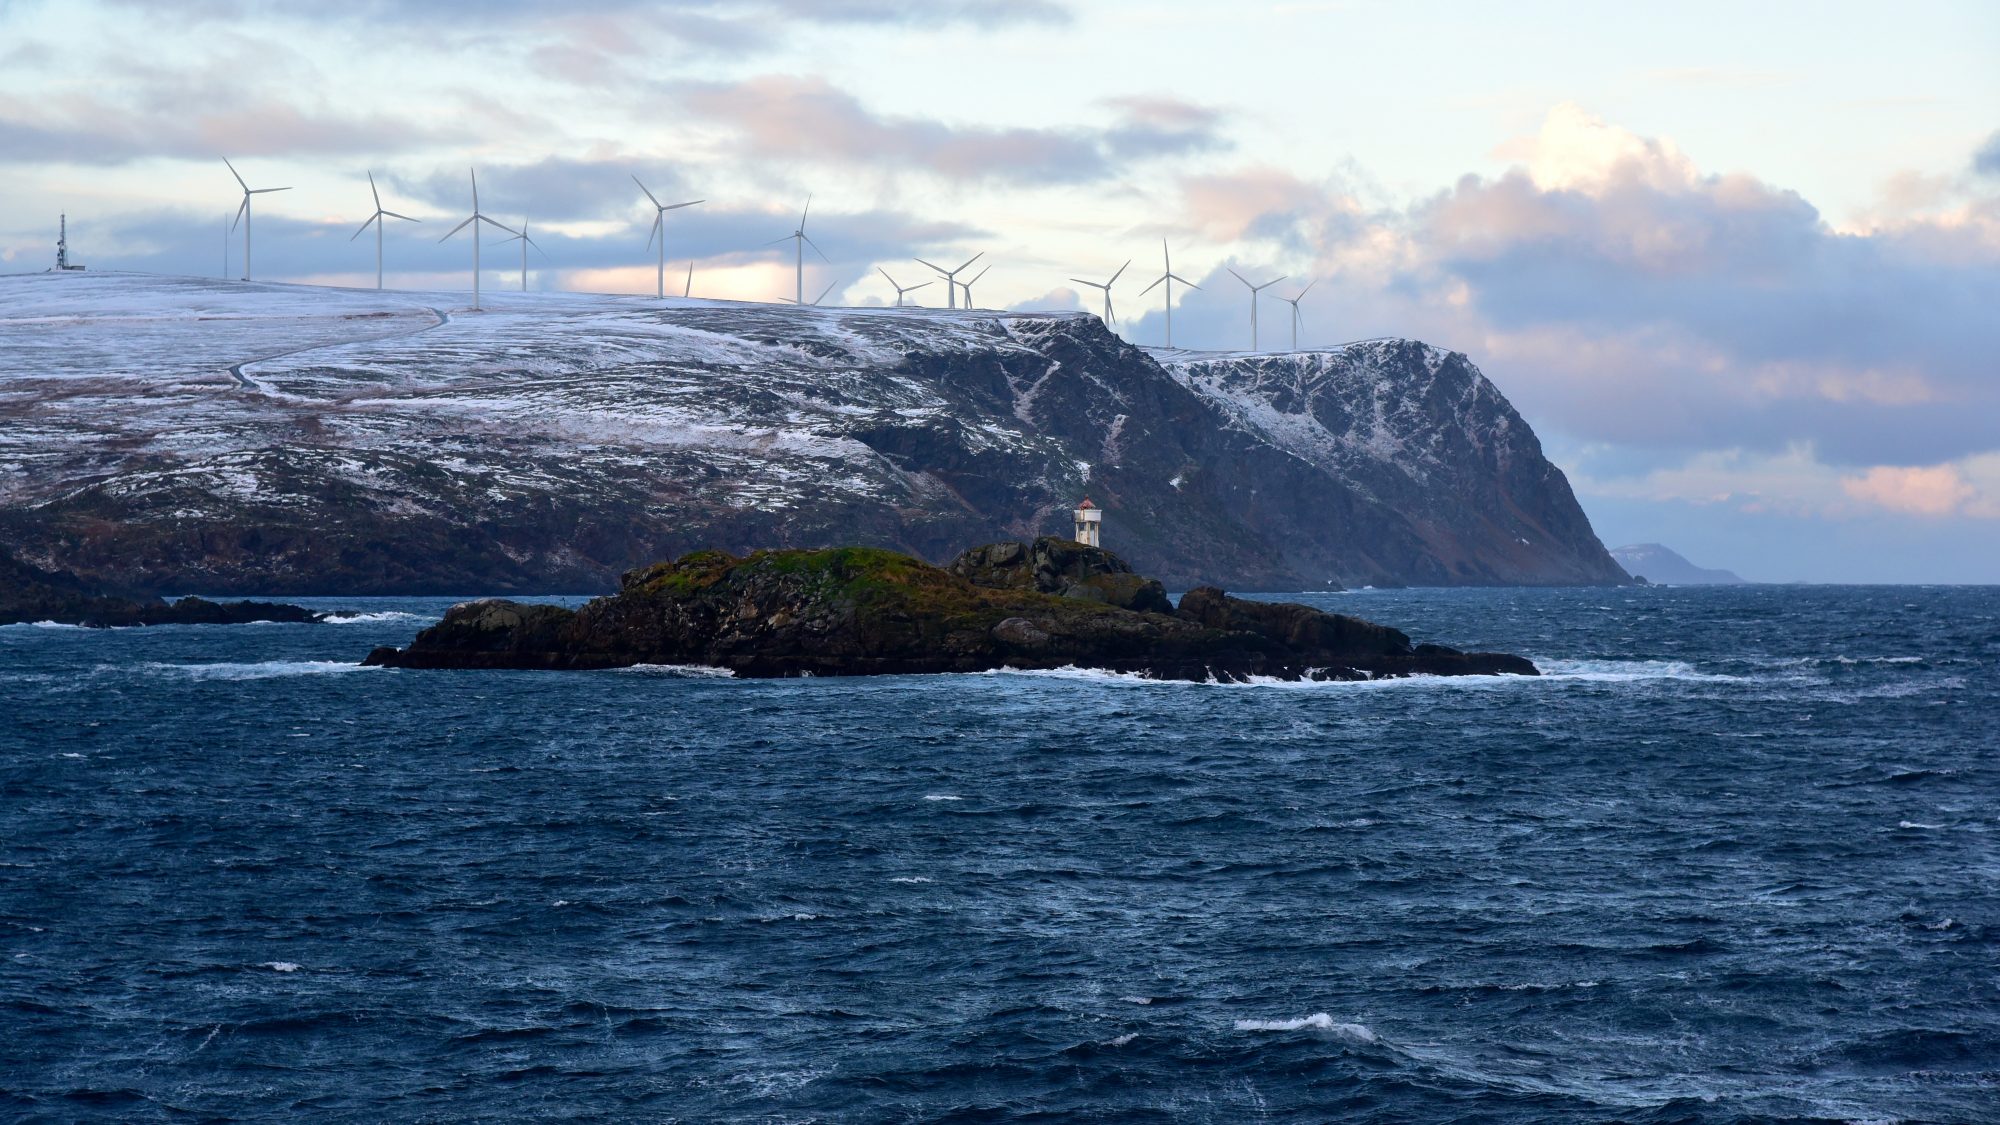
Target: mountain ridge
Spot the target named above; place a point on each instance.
(238, 437)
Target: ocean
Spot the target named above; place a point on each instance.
(1732, 859)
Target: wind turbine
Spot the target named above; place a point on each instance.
(900, 289)
(376, 219)
(474, 222)
(1169, 277)
(951, 277)
(1296, 318)
(243, 212)
(1106, 286)
(660, 229)
(967, 285)
(799, 236)
(525, 242)
(1254, 290)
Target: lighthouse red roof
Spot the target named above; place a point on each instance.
(1086, 505)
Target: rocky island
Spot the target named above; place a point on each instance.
(30, 594)
(867, 611)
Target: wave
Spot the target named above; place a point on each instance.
(1631, 671)
(1318, 1021)
(40, 625)
(262, 670)
(377, 617)
(682, 671)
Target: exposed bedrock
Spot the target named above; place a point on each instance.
(865, 611)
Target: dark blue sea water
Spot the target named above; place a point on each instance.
(1734, 859)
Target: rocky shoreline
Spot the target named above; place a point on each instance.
(865, 611)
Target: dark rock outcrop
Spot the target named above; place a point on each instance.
(30, 594)
(863, 611)
(1065, 568)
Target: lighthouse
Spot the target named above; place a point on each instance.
(1089, 520)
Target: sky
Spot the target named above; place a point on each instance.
(1738, 264)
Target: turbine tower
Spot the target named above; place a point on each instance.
(900, 289)
(474, 222)
(967, 285)
(376, 219)
(1109, 320)
(1296, 318)
(243, 212)
(951, 277)
(1169, 277)
(660, 230)
(1254, 290)
(799, 237)
(525, 242)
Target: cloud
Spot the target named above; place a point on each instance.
(1936, 490)
(809, 118)
(1987, 160)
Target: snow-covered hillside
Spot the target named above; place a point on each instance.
(237, 436)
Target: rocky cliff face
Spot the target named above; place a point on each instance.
(177, 433)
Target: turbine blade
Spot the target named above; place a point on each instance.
(775, 241)
(980, 274)
(456, 229)
(1114, 277)
(892, 281)
(654, 231)
(475, 189)
(373, 192)
(804, 213)
(538, 247)
(919, 285)
(240, 208)
(815, 246)
(1153, 286)
(969, 261)
(1274, 281)
(649, 195)
(824, 292)
(1092, 284)
(267, 190)
(491, 222)
(1306, 290)
(405, 218)
(1184, 281)
(921, 262)
(689, 203)
(375, 218)
(238, 175)
(1239, 277)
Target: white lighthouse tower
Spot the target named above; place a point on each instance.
(1089, 521)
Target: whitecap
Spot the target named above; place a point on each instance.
(1910, 825)
(941, 797)
(682, 671)
(910, 879)
(1123, 1039)
(1137, 999)
(1318, 1021)
(280, 966)
(76, 755)
(263, 670)
(346, 618)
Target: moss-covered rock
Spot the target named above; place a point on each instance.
(862, 611)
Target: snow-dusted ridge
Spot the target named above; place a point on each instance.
(284, 437)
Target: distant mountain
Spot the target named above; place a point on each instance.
(187, 434)
(1658, 564)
